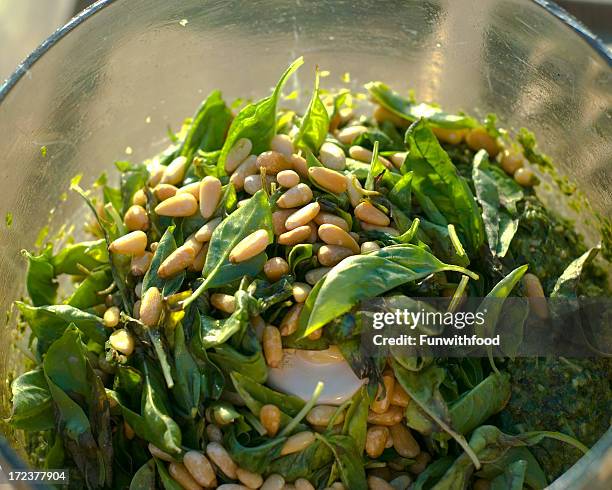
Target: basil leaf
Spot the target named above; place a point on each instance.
(65, 363)
(186, 391)
(215, 332)
(229, 359)
(356, 419)
(534, 475)
(32, 402)
(87, 294)
(256, 458)
(315, 123)
(89, 255)
(401, 193)
(512, 478)
(348, 459)
(40, 278)
(133, 178)
(167, 481)
(303, 464)
(144, 478)
(566, 285)
(165, 247)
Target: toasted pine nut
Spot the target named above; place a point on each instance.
(179, 473)
(278, 220)
(328, 179)
(111, 317)
(159, 454)
(270, 418)
(321, 415)
(298, 195)
(204, 234)
(535, 293)
(209, 195)
(380, 405)
(139, 198)
(232, 486)
(282, 143)
(312, 238)
(274, 482)
(164, 191)
(272, 346)
(316, 335)
(376, 483)
(334, 235)
(134, 243)
(223, 302)
(330, 255)
(401, 482)
(332, 156)
(151, 307)
(420, 463)
(200, 468)
(303, 216)
(138, 290)
(297, 442)
(275, 268)
(315, 275)
(289, 323)
(295, 236)
(399, 396)
(192, 243)
(193, 189)
(140, 264)
(214, 434)
(391, 417)
(337, 486)
(246, 168)
(239, 152)
(511, 161)
(122, 341)
(176, 262)
(478, 139)
(376, 440)
(288, 178)
(354, 189)
(156, 171)
(350, 133)
(450, 136)
(250, 246)
(364, 155)
(153, 246)
(299, 165)
(175, 171)
(303, 484)
(386, 229)
(397, 159)
(524, 177)
(403, 441)
(369, 213)
(250, 479)
(301, 291)
(331, 219)
(258, 324)
(367, 247)
(274, 162)
(136, 310)
(381, 114)
(136, 218)
(200, 259)
(217, 453)
(177, 206)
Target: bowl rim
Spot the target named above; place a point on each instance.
(551, 7)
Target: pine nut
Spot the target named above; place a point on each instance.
(151, 307)
(279, 218)
(299, 165)
(270, 418)
(232, 486)
(524, 177)
(481, 484)
(111, 317)
(312, 238)
(367, 247)
(401, 482)
(239, 152)
(134, 243)
(420, 463)
(403, 441)
(301, 291)
(164, 191)
(122, 341)
(303, 216)
(399, 396)
(391, 417)
(334, 235)
(450, 136)
(535, 293)
(179, 473)
(272, 346)
(140, 264)
(376, 440)
(298, 195)
(209, 195)
(295, 236)
(217, 453)
(330, 255)
(315, 275)
(204, 234)
(136, 218)
(353, 189)
(200, 259)
(193, 189)
(350, 133)
(324, 218)
(381, 405)
(321, 415)
(329, 179)
(250, 246)
(153, 246)
(274, 482)
(176, 262)
(139, 198)
(511, 161)
(303, 484)
(179, 205)
(214, 434)
(138, 290)
(316, 335)
(288, 178)
(258, 324)
(250, 479)
(376, 483)
(159, 454)
(223, 302)
(273, 161)
(297, 442)
(282, 143)
(289, 323)
(156, 172)
(200, 468)
(275, 268)
(385, 229)
(246, 168)
(369, 213)
(136, 310)
(193, 244)
(362, 154)
(397, 159)
(175, 171)
(382, 114)
(253, 183)
(478, 139)
(332, 156)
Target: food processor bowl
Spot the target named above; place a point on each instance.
(108, 85)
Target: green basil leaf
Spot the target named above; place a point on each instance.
(133, 178)
(186, 391)
(40, 278)
(215, 332)
(511, 479)
(144, 478)
(87, 292)
(315, 123)
(568, 281)
(534, 475)
(356, 419)
(32, 402)
(66, 365)
(229, 359)
(349, 461)
(165, 247)
(303, 464)
(167, 481)
(89, 255)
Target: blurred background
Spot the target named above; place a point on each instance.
(24, 24)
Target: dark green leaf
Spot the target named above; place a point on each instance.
(89, 255)
(87, 292)
(32, 402)
(133, 178)
(315, 123)
(144, 478)
(167, 482)
(187, 377)
(229, 359)
(566, 285)
(512, 478)
(356, 419)
(40, 278)
(349, 462)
